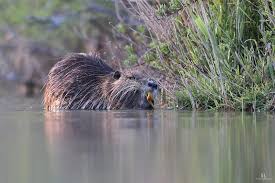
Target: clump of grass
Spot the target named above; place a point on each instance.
(131, 56)
(220, 52)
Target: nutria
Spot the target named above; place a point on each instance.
(84, 81)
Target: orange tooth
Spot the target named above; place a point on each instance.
(150, 98)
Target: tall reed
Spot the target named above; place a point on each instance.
(221, 52)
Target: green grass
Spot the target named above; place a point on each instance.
(220, 52)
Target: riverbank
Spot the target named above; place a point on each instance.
(220, 53)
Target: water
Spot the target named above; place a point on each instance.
(133, 146)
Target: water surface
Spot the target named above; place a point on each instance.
(133, 146)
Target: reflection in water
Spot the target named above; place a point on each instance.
(137, 146)
(103, 147)
(159, 146)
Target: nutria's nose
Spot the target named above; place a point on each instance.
(152, 84)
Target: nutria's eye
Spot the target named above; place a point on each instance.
(116, 75)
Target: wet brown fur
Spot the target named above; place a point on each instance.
(84, 81)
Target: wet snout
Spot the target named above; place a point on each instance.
(153, 84)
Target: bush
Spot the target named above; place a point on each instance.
(221, 52)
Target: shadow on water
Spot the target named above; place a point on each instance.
(137, 146)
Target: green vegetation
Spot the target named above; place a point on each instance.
(61, 23)
(221, 53)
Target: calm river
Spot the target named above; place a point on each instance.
(158, 146)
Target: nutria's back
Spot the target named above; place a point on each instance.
(84, 81)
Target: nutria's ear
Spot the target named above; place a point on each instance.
(116, 75)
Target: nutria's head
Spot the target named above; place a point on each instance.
(84, 81)
(130, 89)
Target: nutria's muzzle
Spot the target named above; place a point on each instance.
(151, 90)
